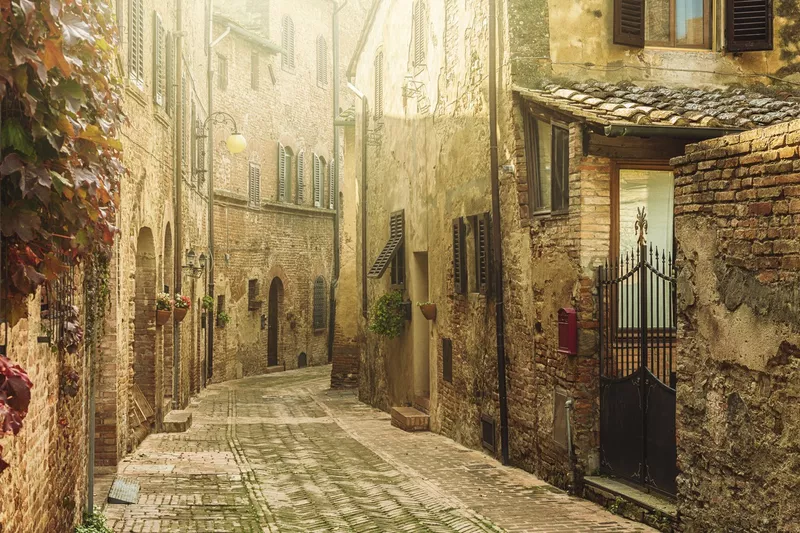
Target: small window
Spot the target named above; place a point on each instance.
(547, 155)
(253, 303)
(379, 85)
(447, 360)
(220, 310)
(418, 24)
(255, 67)
(287, 42)
(322, 61)
(398, 273)
(222, 75)
(254, 185)
(319, 304)
(678, 23)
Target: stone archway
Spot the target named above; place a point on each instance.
(273, 321)
(144, 340)
(167, 274)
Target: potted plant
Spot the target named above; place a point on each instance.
(388, 315)
(428, 309)
(222, 319)
(182, 305)
(163, 308)
(208, 302)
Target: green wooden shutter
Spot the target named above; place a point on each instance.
(281, 173)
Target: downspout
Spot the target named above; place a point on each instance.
(497, 244)
(177, 203)
(336, 167)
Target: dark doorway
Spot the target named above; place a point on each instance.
(302, 360)
(275, 296)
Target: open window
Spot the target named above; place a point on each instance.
(547, 157)
(393, 248)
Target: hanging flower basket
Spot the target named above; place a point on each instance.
(182, 305)
(162, 316)
(428, 310)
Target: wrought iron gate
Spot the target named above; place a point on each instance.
(637, 302)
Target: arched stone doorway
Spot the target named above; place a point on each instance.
(273, 322)
(144, 339)
(167, 274)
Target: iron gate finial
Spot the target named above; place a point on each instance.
(641, 225)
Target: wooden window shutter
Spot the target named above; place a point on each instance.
(158, 60)
(379, 85)
(319, 303)
(287, 42)
(459, 257)
(560, 169)
(418, 23)
(317, 181)
(222, 75)
(254, 185)
(136, 41)
(200, 150)
(281, 173)
(193, 139)
(748, 25)
(322, 61)
(447, 360)
(483, 251)
(393, 245)
(255, 67)
(170, 77)
(629, 22)
(331, 185)
(184, 98)
(301, 177)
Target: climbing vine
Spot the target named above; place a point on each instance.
(388, 315)
(60, 161)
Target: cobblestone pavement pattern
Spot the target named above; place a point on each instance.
(283, 453)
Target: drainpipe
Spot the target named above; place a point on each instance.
(336, 165)
(568, 406)
(177, 207)
(364, 125)
(497, 234)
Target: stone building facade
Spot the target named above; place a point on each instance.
(737, 203)
(275, 204)
(577, 155)
(132, 369)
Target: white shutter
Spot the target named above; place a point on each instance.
(379, 85)
(136, 45)
(281, 173)
(331, 182)
(287, 42)
(317, 181)
(158, 60)
(419, 33)
(301, 177)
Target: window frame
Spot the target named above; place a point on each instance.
(708, 29)
(534, 176)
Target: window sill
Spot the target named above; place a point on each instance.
(549, 214)
(137, 92)
(662, 48)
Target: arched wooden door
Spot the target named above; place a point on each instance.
(275, 295)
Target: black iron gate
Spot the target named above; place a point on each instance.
(637, 302)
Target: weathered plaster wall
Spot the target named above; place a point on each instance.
(737, 203)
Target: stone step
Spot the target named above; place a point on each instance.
(177, 421)
(632, 502)
(409, 419)
(423, 403)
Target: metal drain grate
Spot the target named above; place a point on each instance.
(123, 491)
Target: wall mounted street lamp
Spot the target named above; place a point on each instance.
(235, 142)
(194, 266)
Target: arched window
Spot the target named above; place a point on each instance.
(319, 303)
(322, 61)
(287, 42)
(379, 85)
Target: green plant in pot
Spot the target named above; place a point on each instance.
(208, 302)
(164, 304)
(223, 318)
(388, 315)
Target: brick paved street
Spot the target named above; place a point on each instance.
(283, 453)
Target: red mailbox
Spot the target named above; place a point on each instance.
(568, 331)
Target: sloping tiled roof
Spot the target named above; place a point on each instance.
(626, 103)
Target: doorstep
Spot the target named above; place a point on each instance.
(409, 419)
(632, 502)
(177, 421)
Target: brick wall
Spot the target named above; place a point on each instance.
(737, 216)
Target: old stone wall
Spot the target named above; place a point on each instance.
(737, 216)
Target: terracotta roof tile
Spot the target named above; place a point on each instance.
(625, 102)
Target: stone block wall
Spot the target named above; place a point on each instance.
(737, 221)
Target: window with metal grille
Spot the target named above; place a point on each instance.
(158, 60)
(253, 303)
(301, 177)
(287, 42)
(418, 24)
(170, 77)
(322, 61)
(318, 173)
(547, 156)
(319, 303)
(222, 75)
(136, 41)
(254, 185)
(387, 255)
(255, 67)
(447, 360)
(379, 85)
(459, 257)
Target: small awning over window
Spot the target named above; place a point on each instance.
(396, 230)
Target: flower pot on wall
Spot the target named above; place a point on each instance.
(162, 316)
(428, 311)
(180, 313)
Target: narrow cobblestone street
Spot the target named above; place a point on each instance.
(283, 453)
